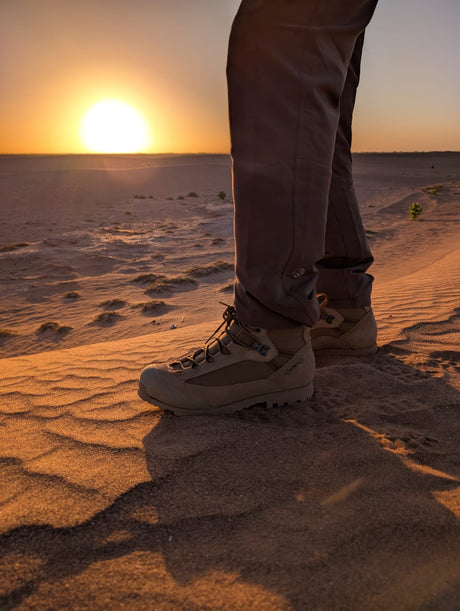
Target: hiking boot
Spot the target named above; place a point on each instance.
(345, 331)
(244, 366)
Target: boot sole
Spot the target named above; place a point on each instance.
(276, 399)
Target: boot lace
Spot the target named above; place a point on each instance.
(219, 345)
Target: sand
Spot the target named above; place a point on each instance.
(351, 501)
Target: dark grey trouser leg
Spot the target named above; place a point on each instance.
(287, 65)
(342, 271)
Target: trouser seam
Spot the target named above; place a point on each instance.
(297, 156)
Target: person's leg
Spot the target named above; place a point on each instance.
(347, 324)
(288, 61)
(287, 67)
(342, 271)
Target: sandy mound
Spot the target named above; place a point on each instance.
(351, 501)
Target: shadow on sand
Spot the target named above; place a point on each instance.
(347, 503)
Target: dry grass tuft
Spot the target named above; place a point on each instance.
(145, 278)
(434, 189)
(16, 246)
(53, 327)
(200, 271)
(153, 307)
(165, 284)
(107, 318)
(112, 304)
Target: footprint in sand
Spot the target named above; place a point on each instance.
(447, 359)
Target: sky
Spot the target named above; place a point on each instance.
(166, 58)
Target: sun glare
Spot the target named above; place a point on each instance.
(111, 126)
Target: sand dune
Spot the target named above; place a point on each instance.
(351, 501)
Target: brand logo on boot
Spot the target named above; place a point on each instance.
(291, 369)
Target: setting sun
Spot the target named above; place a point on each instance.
(112, 126)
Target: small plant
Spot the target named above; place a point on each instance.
(222, 194)
(434, 189)
(415, 209)
(180, 197)
(72, 295)
(192, 194)
(128, 212)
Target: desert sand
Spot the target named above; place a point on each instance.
(351, 501)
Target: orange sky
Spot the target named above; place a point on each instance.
(167, 59)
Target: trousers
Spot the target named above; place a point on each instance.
(292, 71)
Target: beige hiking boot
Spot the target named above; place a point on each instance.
(244, 366)
(345, 331)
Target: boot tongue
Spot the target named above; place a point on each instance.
(235, 332)
(240, 335)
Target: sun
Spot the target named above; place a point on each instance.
(112, 126)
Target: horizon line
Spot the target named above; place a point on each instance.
(90, 154)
